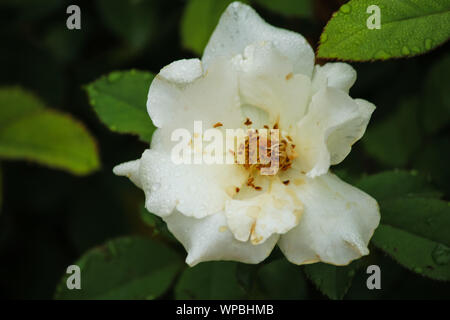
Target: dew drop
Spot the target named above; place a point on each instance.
(114, 76)
(346, 8)
(112, 249)
(382, 55)
(428, 43)
(441, 255)
(405, 50)
(418, 270)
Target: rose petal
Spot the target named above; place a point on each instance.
(194, 190)
(324, 136)
(337, 75)
(241, 26)
(209, 239)
(273, 211)
(180, 94)
(337, 223)
(267, 81)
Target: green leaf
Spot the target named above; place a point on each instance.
(434, 159)
(424, 217)
(280, 279)
(414, 224)
(124, 268)
(199, 20)
(120, 101)
(29, 130)
(418, 254)
(392, 184)
(408, 28)
(332, 281)
(134, 21)
(246, 275)
(395, 140)
(210, 280)
(435, 111)
(298, 8)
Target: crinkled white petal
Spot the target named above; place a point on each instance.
(129, 169)
(275, 211)
(267, 81)
(194, 190)
(340, 141)
(209, 239)
(182, 71)
(324, 136)
(337, 75)
(181, 94)
(241, 26)
(337, 223)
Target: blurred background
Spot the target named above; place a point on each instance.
(49, 217)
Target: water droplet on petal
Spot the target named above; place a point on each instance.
(346, 8)
(441, 254)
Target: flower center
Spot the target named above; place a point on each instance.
(267, 151)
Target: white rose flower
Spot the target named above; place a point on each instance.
(264, 76)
